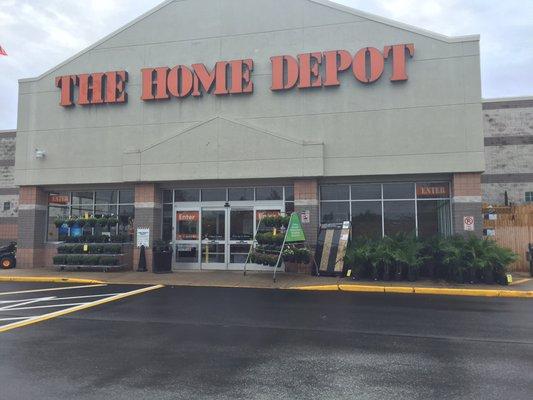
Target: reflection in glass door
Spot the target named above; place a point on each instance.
(187, 237)
(241, 236)
(213, 239)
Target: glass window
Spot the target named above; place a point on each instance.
(399, 191)
(105, 197)
(269, 193)
(82, 199)
(167, 222)
(241, 225)
(187, 224)
(186, 195)
(399, 217)
(214, 225)
(334, 212)
(239, 253)
(105, 209)
(127, 197)
(289, 208)
(366, 219)
(366, 192)
(434, 218)
(529, 197)
(289, 193)
(167, 196)
(126, 216)
(335, 192)
(7, 205)
(241, 194)
(433, 190)
(59, 198)
(56, 234)
(186, 253)
(80, 211)
(213, 195)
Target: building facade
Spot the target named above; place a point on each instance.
(194, 127)
(8, 190)
(508, 127)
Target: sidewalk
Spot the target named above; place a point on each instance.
(522, 282)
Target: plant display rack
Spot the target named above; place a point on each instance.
(277, 238)
(268, 242)
(91, 257)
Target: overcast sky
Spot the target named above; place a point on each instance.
(38, 34)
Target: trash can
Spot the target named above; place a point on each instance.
(162, 258)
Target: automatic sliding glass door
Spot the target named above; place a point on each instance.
(241, 236)
(186, 252)
(214, 239)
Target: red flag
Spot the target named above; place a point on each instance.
(2, 52)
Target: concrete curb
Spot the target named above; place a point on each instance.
(419, 290)
(50, 279)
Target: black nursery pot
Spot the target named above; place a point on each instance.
(398, 273)
(386, 273)
(412, 274)
(488, 276)
(471, 275)
(162, 262)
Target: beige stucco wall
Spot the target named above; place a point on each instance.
(430, 124)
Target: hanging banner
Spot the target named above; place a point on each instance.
(295, 233)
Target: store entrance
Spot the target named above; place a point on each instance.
(214, 238)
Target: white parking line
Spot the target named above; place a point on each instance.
(14, 318)
(17, 305)
(47, 306)
(23, 302)
(52, 289)
(82, 306)
(55, 298)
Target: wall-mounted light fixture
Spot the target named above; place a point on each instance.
(39, 154)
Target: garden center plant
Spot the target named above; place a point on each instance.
(456, 259)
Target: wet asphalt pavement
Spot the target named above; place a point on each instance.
(208, 343)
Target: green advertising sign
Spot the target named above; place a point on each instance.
(295, 233)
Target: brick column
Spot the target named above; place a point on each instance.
(31, 227)
(147, 215)
(466, 189)
(306, 198)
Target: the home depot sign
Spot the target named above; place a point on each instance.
(310, 70)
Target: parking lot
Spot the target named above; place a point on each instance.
(216, 343)
(23, 304)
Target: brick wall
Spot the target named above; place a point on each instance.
(31, 227)
(466, 191)
(9, 203)
(148, 210)
(508, 128)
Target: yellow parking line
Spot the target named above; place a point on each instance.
(60, 313)
(47, 279)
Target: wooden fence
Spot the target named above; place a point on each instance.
(512, 227)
